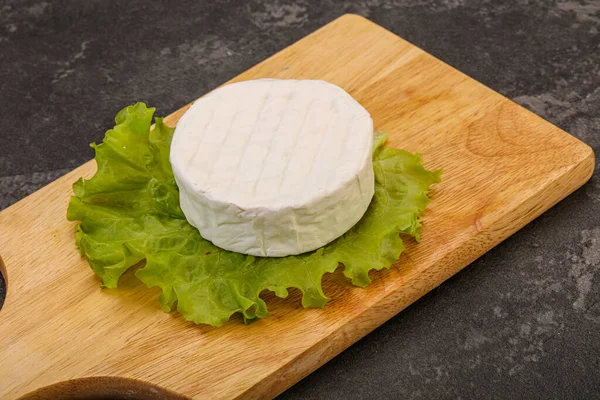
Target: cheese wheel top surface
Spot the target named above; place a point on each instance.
(271, 143)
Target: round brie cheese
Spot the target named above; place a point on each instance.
(274, 167)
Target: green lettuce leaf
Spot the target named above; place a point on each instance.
(129, 211)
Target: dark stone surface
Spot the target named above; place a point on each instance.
(521, 322)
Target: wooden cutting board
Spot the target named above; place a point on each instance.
(503, 166)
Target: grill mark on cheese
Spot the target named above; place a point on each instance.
(275, 130)
(245, 146)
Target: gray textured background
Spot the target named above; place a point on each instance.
(521, 322)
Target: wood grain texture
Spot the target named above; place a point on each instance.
(503, 166)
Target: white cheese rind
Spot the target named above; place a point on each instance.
(274, 167)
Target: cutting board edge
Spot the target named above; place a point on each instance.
(104, 387)
(356, 329)
(5, 267)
